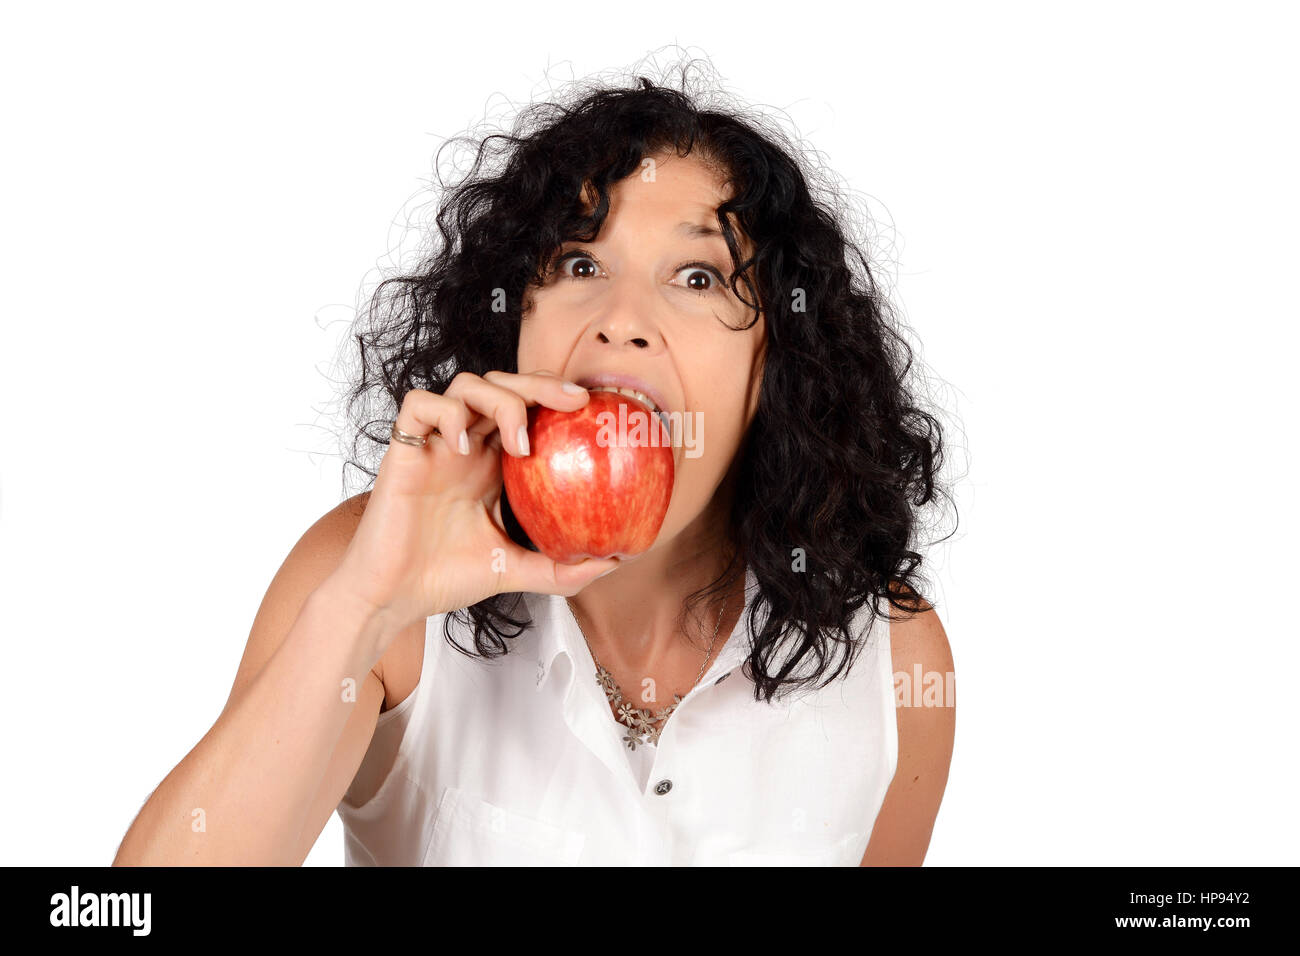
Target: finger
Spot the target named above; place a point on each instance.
(503, 399)
(542, 387)
(572, 578)
(436, 417)
(535, 572)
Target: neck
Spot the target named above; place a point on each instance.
(635, 617)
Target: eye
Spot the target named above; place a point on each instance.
(560, 265)
(703, 278)
(697, 271)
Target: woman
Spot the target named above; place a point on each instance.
(628, 239)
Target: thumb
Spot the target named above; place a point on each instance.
(536, 572)
(572, 578)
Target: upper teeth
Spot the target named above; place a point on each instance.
(630, 393)
(639, 396)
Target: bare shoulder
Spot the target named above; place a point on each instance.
(925, 685)
(919, 637)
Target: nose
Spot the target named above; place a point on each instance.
(627, 329)
(636, 341)
(624, 316)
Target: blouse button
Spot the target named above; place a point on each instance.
(663, 786)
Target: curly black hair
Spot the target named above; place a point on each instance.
(830, 480)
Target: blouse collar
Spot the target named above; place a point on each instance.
(559, 634)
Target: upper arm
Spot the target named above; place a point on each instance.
(315, 556)
(901, 834)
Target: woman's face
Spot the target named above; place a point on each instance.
(644, 300)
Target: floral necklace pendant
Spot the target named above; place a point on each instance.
(643, 726)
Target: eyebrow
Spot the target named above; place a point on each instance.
(697, 231)
(692, 230)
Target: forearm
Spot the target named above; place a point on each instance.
(241, 796)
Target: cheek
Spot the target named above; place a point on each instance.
(533, 352)
(704, 453)
(545, 339)
(525, 349)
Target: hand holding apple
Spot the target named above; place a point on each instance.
(431, 536)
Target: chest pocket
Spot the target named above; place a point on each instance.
(469, 831)
(837, 854)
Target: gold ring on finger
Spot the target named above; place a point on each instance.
(419, 441)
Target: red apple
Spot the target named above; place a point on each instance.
(594, 485)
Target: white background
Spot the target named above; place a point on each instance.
(1091, 213)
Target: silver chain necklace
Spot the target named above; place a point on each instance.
(643, 727)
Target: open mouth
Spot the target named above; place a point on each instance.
(641, 397)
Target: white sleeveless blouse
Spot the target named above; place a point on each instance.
(519, 761)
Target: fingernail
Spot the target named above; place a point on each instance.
(462, 445)
(603, 573)
(573, 389)
(523, 438)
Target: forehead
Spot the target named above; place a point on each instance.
(670, 188)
